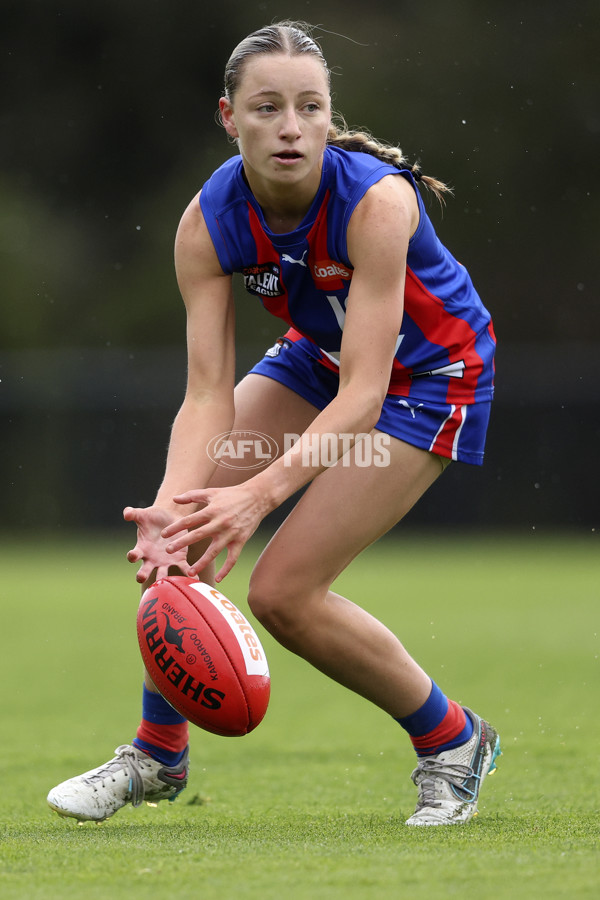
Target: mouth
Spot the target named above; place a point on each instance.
(288, 156)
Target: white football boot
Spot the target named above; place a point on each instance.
(131, 777)
(449, 783)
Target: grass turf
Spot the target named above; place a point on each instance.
(312, 803)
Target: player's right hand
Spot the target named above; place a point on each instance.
(151, 546)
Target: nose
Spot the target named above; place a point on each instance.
(289, 127)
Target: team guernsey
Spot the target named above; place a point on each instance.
(444, 352)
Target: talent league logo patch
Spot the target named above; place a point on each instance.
(263, 279)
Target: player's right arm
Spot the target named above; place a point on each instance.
(207, 409)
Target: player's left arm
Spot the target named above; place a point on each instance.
(378, 235)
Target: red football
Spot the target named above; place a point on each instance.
(203, 655)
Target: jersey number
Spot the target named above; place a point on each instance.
(340, 314)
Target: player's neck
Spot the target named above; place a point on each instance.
(280, 221)
(284, 206)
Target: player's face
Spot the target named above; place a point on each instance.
(280, 116)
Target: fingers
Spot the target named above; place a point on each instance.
(185, 523)
(232, 558)
(233, 552)
(200, 496)
(191, 537)
(209, 556)
(130, 514)
(145, 572)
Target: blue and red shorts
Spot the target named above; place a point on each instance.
(453, 432)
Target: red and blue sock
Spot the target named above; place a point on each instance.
(440, 724)
(163, 733)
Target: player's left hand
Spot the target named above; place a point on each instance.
(229, 518)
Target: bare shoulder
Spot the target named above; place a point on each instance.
(194, 249)
(389, 203)
(382, 224)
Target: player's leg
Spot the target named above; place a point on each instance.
(344, 510)
(268, 407)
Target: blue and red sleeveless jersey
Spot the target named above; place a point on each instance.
(446, 343)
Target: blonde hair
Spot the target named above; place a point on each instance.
(340, 135)
(296, 38)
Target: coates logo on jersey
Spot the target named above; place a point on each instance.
(263, 279)
(329, 274)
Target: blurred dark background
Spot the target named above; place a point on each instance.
(106, 132)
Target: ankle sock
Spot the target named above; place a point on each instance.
(440, 724)
(163, 733)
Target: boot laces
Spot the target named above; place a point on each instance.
(127, 760)
(428, 770)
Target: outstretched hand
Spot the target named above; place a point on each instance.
(151, 546)
(229, 518)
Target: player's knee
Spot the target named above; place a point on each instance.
(265, 604)
(272, 604)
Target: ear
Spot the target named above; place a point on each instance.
(228, 117)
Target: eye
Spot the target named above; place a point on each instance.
(312, 107)
(266, 107)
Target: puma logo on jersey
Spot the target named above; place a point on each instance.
(412, 409)
(285, 257)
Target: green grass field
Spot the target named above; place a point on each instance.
(312, 803)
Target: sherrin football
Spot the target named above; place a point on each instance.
(203, 655)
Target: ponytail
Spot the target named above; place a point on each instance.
(362, 142)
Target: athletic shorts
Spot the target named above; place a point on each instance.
(449, 431)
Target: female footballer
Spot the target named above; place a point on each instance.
(387, 344)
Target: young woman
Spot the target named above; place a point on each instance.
(389, 352)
